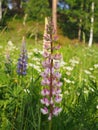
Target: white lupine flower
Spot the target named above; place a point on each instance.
(97, 107)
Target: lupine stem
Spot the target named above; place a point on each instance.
(51, 76)
(50, 125)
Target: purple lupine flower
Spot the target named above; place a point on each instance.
(51, 75)
(22, 61)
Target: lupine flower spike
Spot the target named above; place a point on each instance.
(22, 61)
(50, 76)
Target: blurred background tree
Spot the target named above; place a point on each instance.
(73, 15)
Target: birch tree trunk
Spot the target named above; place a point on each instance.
(54, 14)
(80, 31)
(0, 10)
(92, 26)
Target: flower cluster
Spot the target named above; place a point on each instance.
(8, 63)
(50, 76)
(22, 61)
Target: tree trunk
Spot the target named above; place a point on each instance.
(0, 10)
(50, 3)
(80, 31)
(54, 14)
(80, 24)
(92, 26)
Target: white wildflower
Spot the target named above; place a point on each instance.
(69, 68)
(67, 80)
(10, 43)
(87, 72)
(73, 61)
(96, 66)
(1, 47)
(30, 65)
(91, 69)
(68, 73)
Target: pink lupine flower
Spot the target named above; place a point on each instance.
(57, 75)
(58, 99)
(46, 63)
(44, 110)
(45, 54)
(43, 74)
(57, 65)
(47, 37)
(56, 111)
(58, 91)
(57, 56)
(47, 71)
(50, 116)
(51, 76)
(53, 92)
(45, 92)
(55, 38)
(51, 101)
(45, 82)
(47, 46)
(54, 82)
(59, 84)
(57, 47)
(45, 101)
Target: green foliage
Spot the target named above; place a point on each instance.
(78, 10)
(37, 10)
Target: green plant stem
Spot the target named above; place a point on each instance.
(50, 125)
